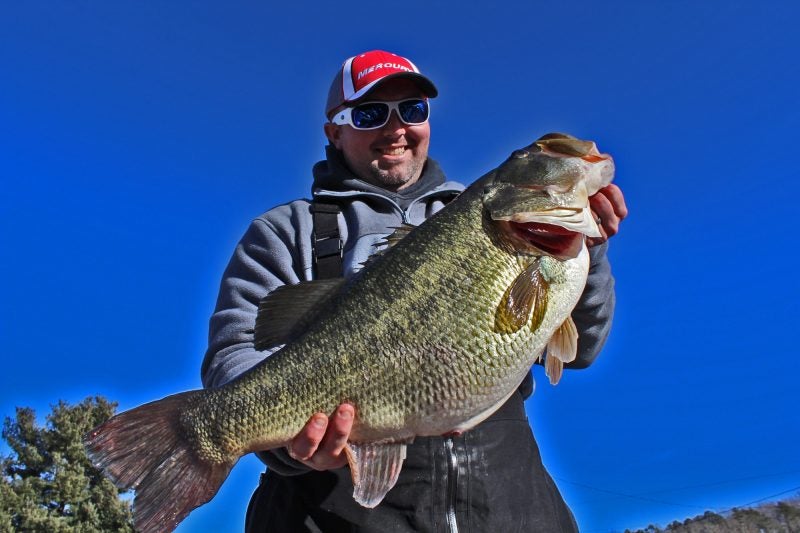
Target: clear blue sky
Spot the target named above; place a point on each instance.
(138, 139)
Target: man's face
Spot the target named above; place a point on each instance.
(391, 157)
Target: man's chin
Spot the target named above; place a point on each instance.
(396, 178)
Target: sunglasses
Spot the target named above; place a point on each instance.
(374, 115)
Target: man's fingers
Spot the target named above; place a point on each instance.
(617, 199)
(608, 205)
(609, 202)
(305, 444)
(330, 449)
(320, 443)
(607, 220)
(601, 205)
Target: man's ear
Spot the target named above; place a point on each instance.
(333, 132)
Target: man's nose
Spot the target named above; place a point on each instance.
(394, 124)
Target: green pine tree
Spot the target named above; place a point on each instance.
(47, 483)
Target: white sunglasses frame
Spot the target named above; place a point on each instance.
(345, 116)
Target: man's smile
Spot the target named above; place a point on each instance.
(399, 150)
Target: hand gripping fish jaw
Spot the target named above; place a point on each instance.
(540, 196)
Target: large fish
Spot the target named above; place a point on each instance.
(430, 338)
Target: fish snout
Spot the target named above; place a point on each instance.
(563, 145)
(599, 174)
(607, 170)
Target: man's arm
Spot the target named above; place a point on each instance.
(261, 262)
(594, 312)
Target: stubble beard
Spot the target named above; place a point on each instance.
(393, 179)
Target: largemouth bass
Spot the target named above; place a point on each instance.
(430, 338)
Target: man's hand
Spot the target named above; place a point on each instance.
(608, 208)
(321, 442)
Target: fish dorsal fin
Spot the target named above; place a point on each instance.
(525, 297)
(562, 348)
(374, 468)
(399, 234)
(290, 309)
(387, 242)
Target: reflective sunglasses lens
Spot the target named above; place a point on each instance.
(371, 115)
(414, 111)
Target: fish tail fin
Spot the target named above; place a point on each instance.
(144, 449)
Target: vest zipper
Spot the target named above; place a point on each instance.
(452, 481)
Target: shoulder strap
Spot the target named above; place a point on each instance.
(327, 241)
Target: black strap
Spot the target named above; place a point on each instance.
(327, 241)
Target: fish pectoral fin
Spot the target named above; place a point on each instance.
(561, 348)
(525, 297)
(290, 309)
(374, 468)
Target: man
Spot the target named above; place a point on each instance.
(376, 176)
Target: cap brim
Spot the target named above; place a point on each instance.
(425, 85)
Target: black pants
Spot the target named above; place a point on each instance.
(490, 479)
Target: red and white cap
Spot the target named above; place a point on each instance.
(360, 74)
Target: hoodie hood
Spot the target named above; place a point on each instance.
(332, 174)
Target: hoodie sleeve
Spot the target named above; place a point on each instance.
(261, 262)
(595, 309)
(270, 254)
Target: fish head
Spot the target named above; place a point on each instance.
(539, 197)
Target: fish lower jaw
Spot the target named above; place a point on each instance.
(544, 239)
(573, 219)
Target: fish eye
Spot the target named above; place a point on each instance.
(519, 154)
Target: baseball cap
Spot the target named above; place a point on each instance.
(360, 74)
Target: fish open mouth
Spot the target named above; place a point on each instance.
(549, 238)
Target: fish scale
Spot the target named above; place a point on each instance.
(412, 341)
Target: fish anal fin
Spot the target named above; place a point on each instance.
(374, 468)
(290, 309)
(525, 298)
(553, 368)
(561, 348)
